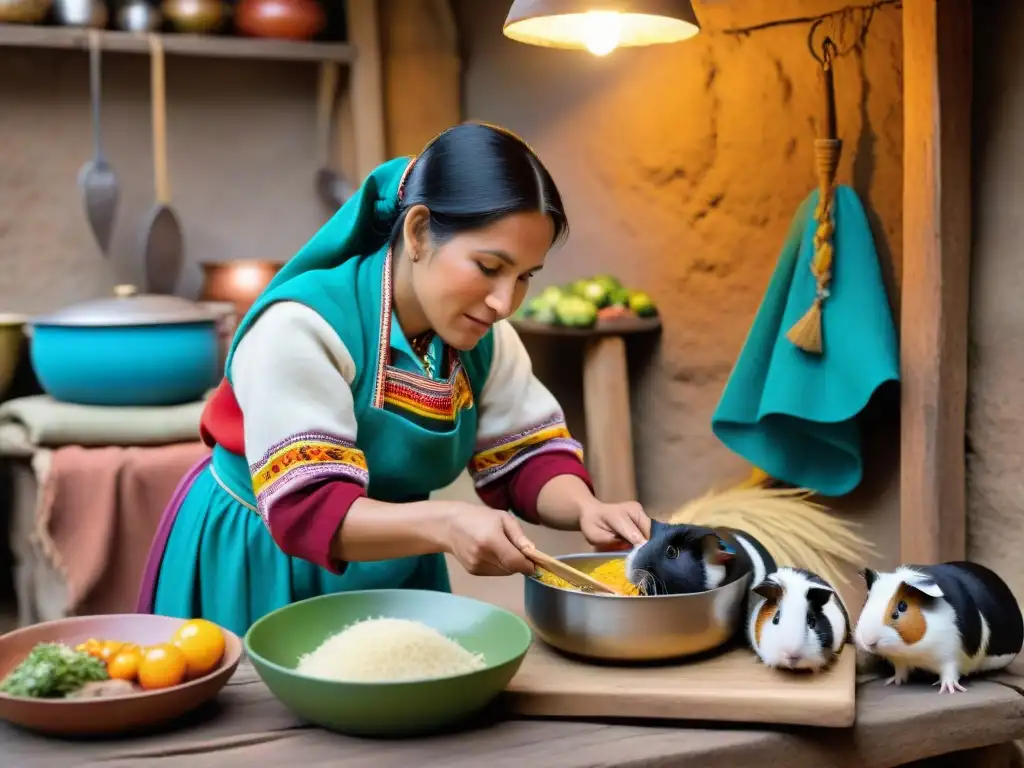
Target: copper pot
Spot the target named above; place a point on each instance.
(239, 282)
(195, 16)
(283, 19)
(24, 11)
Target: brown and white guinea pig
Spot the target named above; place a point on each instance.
(681, 559)
(797, 620)
(951, 619)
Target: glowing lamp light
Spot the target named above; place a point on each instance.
(600, 26)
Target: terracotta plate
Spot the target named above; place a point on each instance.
(117, 714)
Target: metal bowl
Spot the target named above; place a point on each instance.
(649, 628)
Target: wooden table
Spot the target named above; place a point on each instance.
(248, 727)
(605, 398)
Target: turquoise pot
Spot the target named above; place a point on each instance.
(131, 350)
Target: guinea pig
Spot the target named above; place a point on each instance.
(682, 559)
(796, 620)
(952, 619)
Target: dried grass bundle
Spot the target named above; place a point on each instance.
(795, 530)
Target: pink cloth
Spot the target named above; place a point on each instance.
(98, 512)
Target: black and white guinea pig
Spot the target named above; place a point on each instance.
(797, 620)
(951, 619)
(681, 559)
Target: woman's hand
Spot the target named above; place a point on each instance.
(485, 541)
(614, 526)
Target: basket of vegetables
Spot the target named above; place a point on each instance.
(111, 674)
(588, 302)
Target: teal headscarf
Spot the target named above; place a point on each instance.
(794, 414)
(360, 227)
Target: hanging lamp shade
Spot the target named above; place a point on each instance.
(600, 26)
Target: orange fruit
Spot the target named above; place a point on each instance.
(125, 665)
(109, 649)
(202, 643)
(92, 646)
(162, 666)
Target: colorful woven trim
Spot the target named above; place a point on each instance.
(426, 399)
(501, 456)
(384, 337)
(302, 459)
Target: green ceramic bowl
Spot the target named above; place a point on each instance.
(275, 643)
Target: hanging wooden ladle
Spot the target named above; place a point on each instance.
(96, 178)
(332, 187)
(162, 242)
(806, 332)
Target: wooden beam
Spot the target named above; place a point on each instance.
(936, 267)
(422, 72)
(366, 87)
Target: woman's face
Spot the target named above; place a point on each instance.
(475, 279)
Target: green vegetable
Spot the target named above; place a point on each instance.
(642, 304)
(53, 670)
(576, 287)
(545, 315)
(576, 312)
(610, 283)
(619, 298)
(550, 295)
(595, 292)
(544, 301)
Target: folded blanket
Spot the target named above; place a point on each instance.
(44, 421)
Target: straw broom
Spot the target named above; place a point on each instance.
(795, 530)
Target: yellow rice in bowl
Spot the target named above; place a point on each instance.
(612, 573)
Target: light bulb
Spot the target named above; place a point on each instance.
(601, 32)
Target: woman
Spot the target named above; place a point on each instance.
(374, 368)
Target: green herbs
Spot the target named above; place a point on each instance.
(53, 670)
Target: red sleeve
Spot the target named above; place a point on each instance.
(305, 522)
(519, 489)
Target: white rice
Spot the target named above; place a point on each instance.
(388, 650)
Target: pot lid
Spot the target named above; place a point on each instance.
(129, 307)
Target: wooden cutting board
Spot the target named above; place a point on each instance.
(733, 686)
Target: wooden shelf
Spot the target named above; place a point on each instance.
(214, 46)
(623, 326)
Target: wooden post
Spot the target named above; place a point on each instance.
(936, 262)
(366, 87)
(609, 426)
(422, 72)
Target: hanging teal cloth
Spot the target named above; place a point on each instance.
(794, 414)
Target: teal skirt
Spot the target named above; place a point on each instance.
(213, 558)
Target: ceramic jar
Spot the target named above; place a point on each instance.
(195, 16)
(282, 19)
(138, 16)
(81, 13)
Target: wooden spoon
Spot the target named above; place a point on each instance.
(162, 241)
(565, 571)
